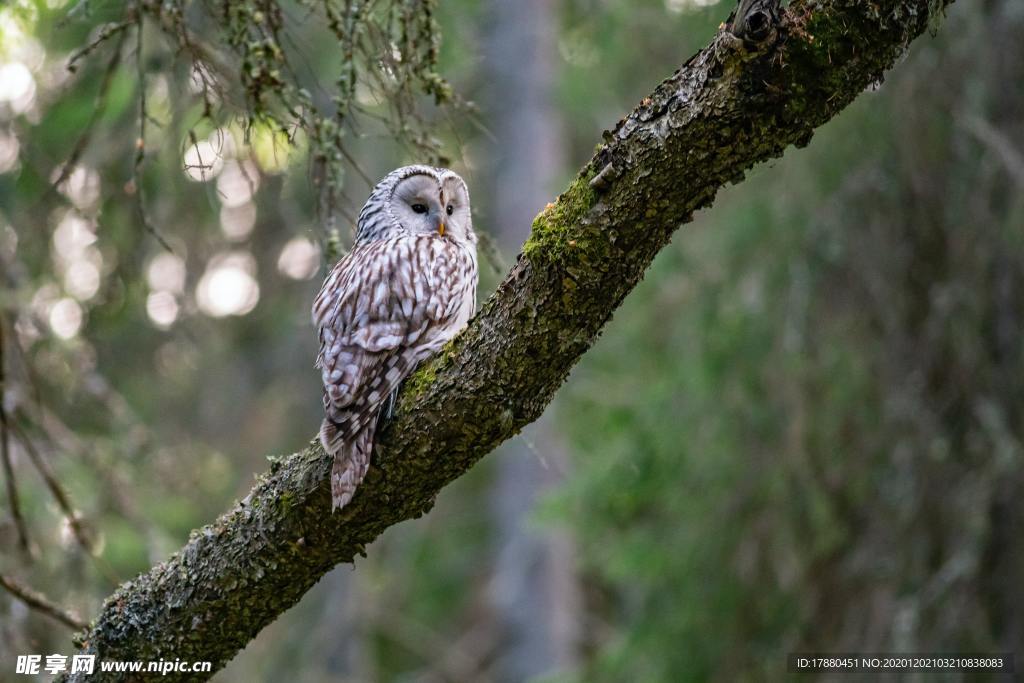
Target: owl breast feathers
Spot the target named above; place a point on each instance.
(407, 286)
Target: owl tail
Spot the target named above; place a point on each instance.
(351, 459)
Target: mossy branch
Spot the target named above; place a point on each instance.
(741, 100)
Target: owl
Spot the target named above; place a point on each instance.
(407, 286)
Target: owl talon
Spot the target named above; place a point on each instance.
(389, 406)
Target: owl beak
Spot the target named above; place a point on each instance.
(440, 228)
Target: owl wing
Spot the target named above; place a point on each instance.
(381, 307)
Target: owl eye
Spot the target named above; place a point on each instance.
(449, 210)
(419, 208)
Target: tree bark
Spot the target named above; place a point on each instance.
(739, 101)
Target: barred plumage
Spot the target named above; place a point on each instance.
(406, 288)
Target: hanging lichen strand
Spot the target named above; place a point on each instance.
(244, 54)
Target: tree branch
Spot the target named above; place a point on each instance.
(741, 100)
(41, 603)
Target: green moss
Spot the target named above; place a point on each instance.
(423, 378)
(556, 234)
(818, 42)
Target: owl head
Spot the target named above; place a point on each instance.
(417, 200)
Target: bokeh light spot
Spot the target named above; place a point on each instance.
(162, 308)
(228, 287)
(166, 272)
(202, 161)
(299, 259)
(237, 222)
(17, 87)
(66, 318)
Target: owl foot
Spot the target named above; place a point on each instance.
(387, 409)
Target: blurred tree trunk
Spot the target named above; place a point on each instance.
(532, 591)
(740, 101)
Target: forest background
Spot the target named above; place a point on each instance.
(802, 431)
